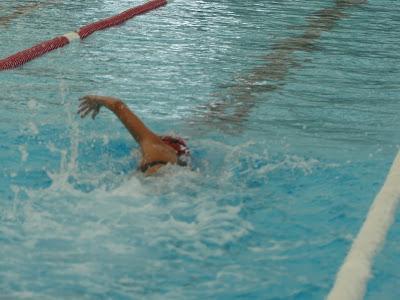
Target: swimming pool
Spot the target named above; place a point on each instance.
(291, 141)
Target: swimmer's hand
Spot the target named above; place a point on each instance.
(90, 104)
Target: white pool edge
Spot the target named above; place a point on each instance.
(352, 278)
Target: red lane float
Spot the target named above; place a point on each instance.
(121, 18)
(22, 57)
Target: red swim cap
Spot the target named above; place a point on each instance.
(178, 144)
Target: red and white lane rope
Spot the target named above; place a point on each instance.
(22, 57)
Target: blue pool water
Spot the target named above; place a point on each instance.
(290, 109)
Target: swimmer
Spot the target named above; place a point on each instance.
(156, 150)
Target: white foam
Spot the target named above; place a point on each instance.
(24, 152)
(353, 276)
(33, 128)
(32, 104)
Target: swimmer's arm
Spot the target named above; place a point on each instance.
(93, 103)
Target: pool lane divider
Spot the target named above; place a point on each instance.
(22, 57)
(353, 275)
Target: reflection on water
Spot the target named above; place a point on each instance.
(235, 102)
(19, 11)
(22, 10)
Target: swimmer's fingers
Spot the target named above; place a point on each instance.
(82, 111)
(83, 107)
(88, 99)
(85, 112)
(87, 103)
(95, 112)
(83, 104)
(84, 98)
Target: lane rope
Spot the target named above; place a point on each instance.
(22, 57)
(353, 275)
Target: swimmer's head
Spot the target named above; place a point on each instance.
(180, 147)
(177, 143)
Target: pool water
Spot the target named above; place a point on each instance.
(290, 109)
